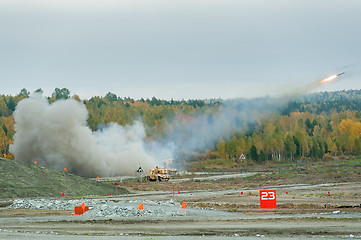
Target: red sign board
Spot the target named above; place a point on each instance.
(268, 198)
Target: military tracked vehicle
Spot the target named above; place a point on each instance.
(160, 174)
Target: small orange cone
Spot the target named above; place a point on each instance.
(184, 206)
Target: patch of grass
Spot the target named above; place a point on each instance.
(23, 180)
(332, 173)
(282, 165)
(334, 219)
(138, 179)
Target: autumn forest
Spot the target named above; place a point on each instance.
(313, 127)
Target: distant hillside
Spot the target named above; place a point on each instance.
(23, 180)
(326, 102)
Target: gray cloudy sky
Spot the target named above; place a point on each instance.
(178, 48)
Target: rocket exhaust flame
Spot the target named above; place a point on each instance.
(314, 85)
(329, 79)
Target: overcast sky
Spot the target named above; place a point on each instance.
(178, 49)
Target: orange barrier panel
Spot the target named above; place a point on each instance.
(79, 210)
(140, 206)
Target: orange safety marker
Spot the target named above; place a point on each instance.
(98, 178)
(35, 162)
(184, 206)
(4, 155)
(140, 207)
(65, 169)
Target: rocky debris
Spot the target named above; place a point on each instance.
(101, 208)
(46, 204)
(127, 211)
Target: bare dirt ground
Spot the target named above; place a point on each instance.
(303, 211)
(295, 198)
(190, 226)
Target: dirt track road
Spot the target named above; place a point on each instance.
(307, 211)
(296, 198)
(268, 225)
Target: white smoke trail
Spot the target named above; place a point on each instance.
(193, 134)
(56, 136)
(190, 135)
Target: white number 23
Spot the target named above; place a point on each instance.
(268, 196)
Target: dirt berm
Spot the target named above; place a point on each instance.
(23, 180)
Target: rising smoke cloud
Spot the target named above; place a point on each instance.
(56, 135)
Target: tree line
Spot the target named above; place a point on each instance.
(316, 126)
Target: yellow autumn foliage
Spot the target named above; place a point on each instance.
(350, 127)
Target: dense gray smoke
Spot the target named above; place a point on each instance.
(56, 136)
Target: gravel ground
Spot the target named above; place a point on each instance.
(31, 236)
(119, 217)
(110, 208)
